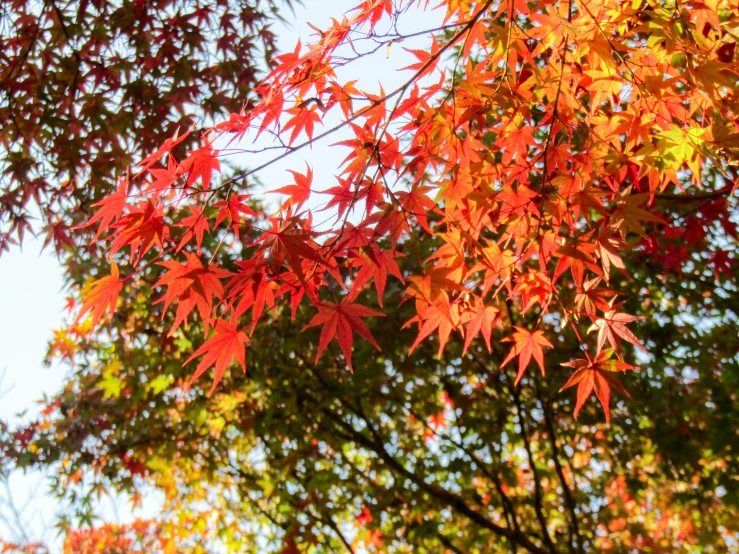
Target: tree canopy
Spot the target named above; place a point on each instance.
(543, 212)
(91, 87)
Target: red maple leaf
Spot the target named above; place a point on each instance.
(612, 326)
(196, 225)
(100, 296)
(345, 195)
(232, 209)
(415, 203)
(596, 375)
(164, 178)
(141, 229)
(193, 285)
(291, 239)
(304, 119)
(221, 349)
(339, 320)
(375, 265)
(201, 164)
(300, 191)
(111, 208)
(168, 145)
(373, 10)
(527, 345)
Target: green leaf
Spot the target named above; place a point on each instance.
(160, 383)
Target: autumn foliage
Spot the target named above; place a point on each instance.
(537, 226)
(88, 88)
(533, 141)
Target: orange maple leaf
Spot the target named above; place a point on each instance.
(221, 349)
(483, 319)
(111, 209)
(375, 265)
(304, 119)
(100, 296)
(526, 345)
(373, 10)
(141, 228)
(434, 317)
(628, 215)
(596, 375)
(534, 287)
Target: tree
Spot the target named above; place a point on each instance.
(409, 452)
(563, 168)
(90, 87)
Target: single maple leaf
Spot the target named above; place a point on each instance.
(628, 215)
(590, 297)
(423, 57)
(483, 319)
(595, 375)
(526, 345)
(100, 296)
(193, 285)
(201, 164)
(612, 326)
(415, 203)
(339, 320)
(375, 265)
(164, 178)
(304, 119)
(610, 246)
(345, 196)
(253, 289)
(195, 225)
(577, 256)
(440, 317)
(273, 99)
(111, 209)
(221, 349)
(496, 263)
(232, 209)
(300, 191)
(433, 286)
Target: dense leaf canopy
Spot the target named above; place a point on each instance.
(90, 87)
(546, 203)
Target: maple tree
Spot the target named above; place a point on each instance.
(548, 141)
(551, 188)
(90, 87)
(411, 452)
(138, 537)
